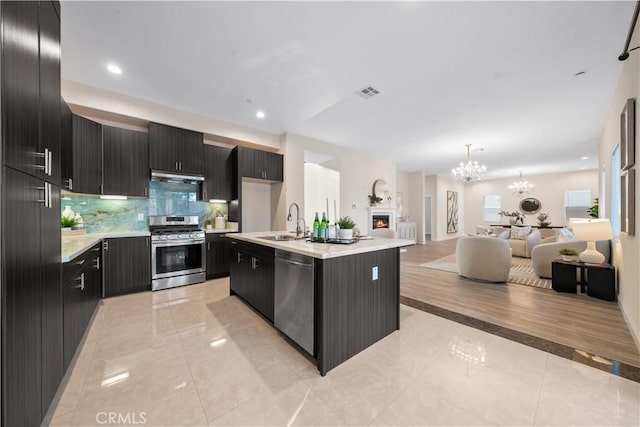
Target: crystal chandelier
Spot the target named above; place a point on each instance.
(468, 173)
(521, 188)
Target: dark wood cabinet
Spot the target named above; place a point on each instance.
(218, 252)
(127, 265)
(259, 164)
(32, 306)
(252, 272)
(174, 149)
(82, 162)
(218, 173)
(125, 160)
(31, 88)
(81, 294)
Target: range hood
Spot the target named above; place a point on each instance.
(172, 177)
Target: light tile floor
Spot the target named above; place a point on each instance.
(195, 356)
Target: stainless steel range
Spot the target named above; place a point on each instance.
(178, 254)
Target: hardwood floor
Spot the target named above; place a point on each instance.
(574, 320)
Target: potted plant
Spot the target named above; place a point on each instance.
(67, 222)
(346, 225)
(542, 220)
(593, 211)
(567, 253)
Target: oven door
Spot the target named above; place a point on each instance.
(169, 259)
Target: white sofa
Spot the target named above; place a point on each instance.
(483, 258)
(522, 248)
(543, 254)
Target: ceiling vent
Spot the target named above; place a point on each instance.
(368, 92)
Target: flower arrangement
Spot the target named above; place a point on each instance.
(518, 217)
(542, 220)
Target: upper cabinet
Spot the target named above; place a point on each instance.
(31, 88)
(176, 150)
(125, 160)
(259, 164)
(82, 161)
(218, 169)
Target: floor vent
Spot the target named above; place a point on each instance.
(368, 92)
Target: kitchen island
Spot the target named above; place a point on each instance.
(331, 300)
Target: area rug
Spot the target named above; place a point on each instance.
(520, 273)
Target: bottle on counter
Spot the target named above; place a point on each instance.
(324, 228)
(68, 213)
(79, 221)
(316, 228)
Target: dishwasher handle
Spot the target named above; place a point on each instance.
(296, 263)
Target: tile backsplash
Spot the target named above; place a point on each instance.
(165, 198)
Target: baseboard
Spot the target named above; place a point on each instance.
(635, 334)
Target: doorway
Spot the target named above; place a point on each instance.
(427, 218)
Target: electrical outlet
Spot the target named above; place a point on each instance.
(354, 206)
(374, 273)
(140, 217)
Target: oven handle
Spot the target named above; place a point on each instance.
(165, 244)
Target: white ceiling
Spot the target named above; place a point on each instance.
(498, 75)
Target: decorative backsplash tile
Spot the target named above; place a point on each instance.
(165, 198)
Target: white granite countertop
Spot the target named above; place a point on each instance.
(72, 246)
(321, 250)
(221, 230)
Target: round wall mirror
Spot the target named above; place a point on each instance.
(530, 205)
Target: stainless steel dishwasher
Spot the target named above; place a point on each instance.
(294, 298)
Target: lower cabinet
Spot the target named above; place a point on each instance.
(252, 276)
(127, 265)
(218, 247)
(81, 293)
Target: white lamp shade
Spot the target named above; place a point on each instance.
(592, 230)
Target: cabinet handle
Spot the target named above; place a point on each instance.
(81, 285)
(97, 266)
(145, 191)
(180, 165)
(80, 262)
(70, 184)
(239, 257)
(105, 245)
(45, 166)
(208, 246)
(96, 249)
(47, 195)
(50, 158)
(177, 166)
(254, 263)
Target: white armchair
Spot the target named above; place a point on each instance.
(522, 248)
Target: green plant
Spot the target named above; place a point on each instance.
(567, 252)
(542, 220)
(66, 222)
(346, 223)
(593, 210)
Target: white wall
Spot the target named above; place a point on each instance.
(627, 249)
(416, 206)
(444, 183)
(402, 186)
(358, 171)
(100, 99)
(548, 188)
(256, 206)
(320, 184)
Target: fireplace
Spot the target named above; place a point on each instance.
(382, 218)
(381, 221)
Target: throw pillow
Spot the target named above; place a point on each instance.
(565, 235)
(520, 233)
(504, 235)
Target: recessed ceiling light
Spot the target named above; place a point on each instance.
(260, 114)
(114, 69)
(584, 158)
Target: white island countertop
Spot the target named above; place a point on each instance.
(72, 246)
(321, 250)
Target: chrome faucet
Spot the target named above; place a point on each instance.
(299, 231)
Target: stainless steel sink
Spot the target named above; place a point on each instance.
(279, 237)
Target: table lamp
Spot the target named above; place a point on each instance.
(592, 230)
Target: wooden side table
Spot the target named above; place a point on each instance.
(598, 280)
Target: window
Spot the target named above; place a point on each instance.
(603, 191)
(614, 207)
(576, 204)
(491, 209)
